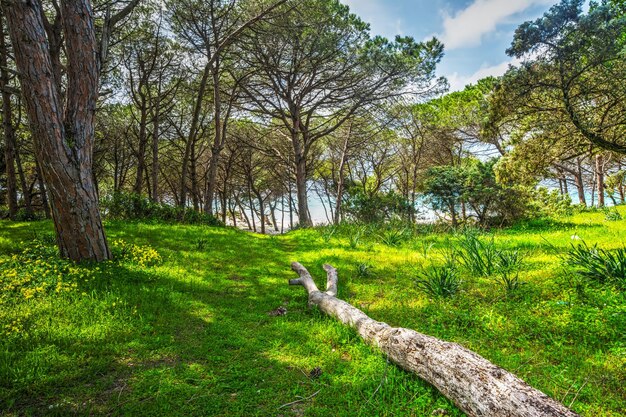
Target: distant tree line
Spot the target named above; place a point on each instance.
(245, 110)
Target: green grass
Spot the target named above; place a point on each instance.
(192, 335)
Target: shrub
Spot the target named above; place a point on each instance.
(550, 203)
(473, 183)
(376, 207)
(611, 215)
(597, 264)
(440, 281)
(130, 206)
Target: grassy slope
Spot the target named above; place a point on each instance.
(192, 336)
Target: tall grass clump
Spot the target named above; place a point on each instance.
(598, 264)
(440, 281)
(355, 235)
(479, 257)
(394, 236)
(508, 267)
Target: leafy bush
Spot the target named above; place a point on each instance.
(597, 264)
(379, 207)
(550, 203)
(440, 281)
(611, 215)
(474, 183)
(130, 206)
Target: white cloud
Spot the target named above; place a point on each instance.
(468, 26)
(458, 82)
(378, 14)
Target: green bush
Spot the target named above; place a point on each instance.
(379, 207)
(550, 203)
(611, 215)
(130, 206)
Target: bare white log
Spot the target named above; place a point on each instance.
(475, 385)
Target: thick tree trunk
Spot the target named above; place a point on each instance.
(63, 142)
(474, 384)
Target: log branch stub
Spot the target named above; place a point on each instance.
(475, 385)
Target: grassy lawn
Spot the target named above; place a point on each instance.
(191, 333)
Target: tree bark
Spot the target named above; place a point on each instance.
(301, 191)
(475, 385)
(600, 179)
(7, 125)
(63, 135)
(26, 191)
(42, 190)
(580, 185)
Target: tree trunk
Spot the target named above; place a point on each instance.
(42, 190)
(216, 149)
(156, 131)
(475, 385)
(141, 150)
(193, 175)
(580, 185)
(193, 132)
(7, 124)
(600, 179)
(63, 142)
(26, 191)
(301, 191)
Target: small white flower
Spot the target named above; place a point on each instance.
(575, 237)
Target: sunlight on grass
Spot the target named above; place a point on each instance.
(190, 332)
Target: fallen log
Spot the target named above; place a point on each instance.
(475, 385)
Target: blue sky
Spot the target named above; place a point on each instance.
(475, 32)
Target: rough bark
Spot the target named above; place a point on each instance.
(600, 179)
(7, 125)
(63, 135)
(304, 220)
(474, 384)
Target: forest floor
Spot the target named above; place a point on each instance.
(193, 327)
